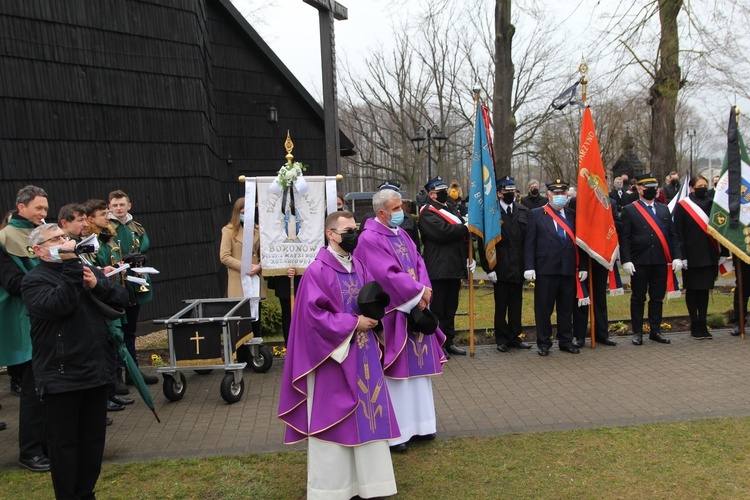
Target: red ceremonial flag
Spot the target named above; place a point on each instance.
(595, 225)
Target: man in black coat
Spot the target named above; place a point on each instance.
(533, 199)
(507, 273)
(550, 259)
(650, 252)
(446, 249)
(619, 194)
(71, 357)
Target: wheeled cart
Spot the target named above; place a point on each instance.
(204, 336)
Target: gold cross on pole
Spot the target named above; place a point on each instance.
(197, 342)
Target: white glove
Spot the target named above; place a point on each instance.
(684, 265)
(676, 265)
(529, 275)
(629, 268)
(722, 260)
(492, 276)
(471, 266)
(582, 275)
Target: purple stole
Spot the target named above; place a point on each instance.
(418, 345)
(372, 414)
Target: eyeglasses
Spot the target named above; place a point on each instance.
(60, 237)
(351, 230)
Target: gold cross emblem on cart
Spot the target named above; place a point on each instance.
(197, 342)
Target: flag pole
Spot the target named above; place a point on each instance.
(583, 69)
(738, 268)
(476, 91)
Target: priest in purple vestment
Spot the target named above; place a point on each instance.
(411, 358)
(333, 390)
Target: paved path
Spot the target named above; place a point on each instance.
(491, 393)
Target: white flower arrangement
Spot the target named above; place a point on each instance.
(290, 174)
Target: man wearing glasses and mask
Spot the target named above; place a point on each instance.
(17, 259)
(61, 296)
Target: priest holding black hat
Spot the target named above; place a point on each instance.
(413, 351)
(446, 251)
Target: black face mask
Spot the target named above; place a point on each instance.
(675, 182)
(701, 192)
(534, 192)
(442, 196)
(509, 198)
(349, 241)
(649, 193)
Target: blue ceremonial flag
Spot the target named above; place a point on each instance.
(484, 209)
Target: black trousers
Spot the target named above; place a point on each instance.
(651, 279)
(697, 306)
(554, 292)
(745, 289)
(31, 432)
(598, 293)
(444, 305)
(508, 302)
(75, 436)
(286, 316)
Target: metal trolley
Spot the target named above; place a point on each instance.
(202, 337)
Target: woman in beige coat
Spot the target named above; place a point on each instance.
(230, 251)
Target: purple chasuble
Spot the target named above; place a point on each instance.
(395, 263)
(351, 405)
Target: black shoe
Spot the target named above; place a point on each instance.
(606, 341)
(39, 463)
(15, 386)
(637, 339)
(697, 335)
(579, 343)
(570, 348)
(543, 351)
(121, 400)
(503, 347)
(108, 422)
(522, 345)
(121, 389)
(456, 350)
(114, 406)
(658, 337)
(426, 437)
(447, 356)
(399, 448)
(735, 331)
(148, 379)
(3, 426)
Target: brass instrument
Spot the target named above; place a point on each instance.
(136, 247)
(116, 262)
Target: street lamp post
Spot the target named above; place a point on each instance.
(691, 134)
(439, 138)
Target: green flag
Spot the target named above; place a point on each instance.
(730, 215)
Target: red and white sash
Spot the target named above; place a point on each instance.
(445, 214)
(581, 291)
(672, 290)
(700, 217)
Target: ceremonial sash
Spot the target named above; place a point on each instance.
(700, 218)
(581, 290)
(672, 290)
(615, 282)
(445, 214)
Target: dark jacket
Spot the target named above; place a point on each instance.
(68, 333)
(670, 190)
(545, 252)
(621, 200)
(639, 244)
(446, 245)
(532, 202)
(695, 244)
(510, 266)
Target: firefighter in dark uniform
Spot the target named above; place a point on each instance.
(650, 252)
(550, 260)
(507, 274)
(446, 249)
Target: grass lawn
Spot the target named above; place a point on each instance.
(618, 307)
(701, 459)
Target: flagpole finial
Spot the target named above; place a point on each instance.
(476, 89)
(289, 146)
(737, 114)
(583, 69)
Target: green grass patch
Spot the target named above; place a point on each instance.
(700, 459)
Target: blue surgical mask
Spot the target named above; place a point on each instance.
(242, 218)
(397, 218)
(559, 200)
